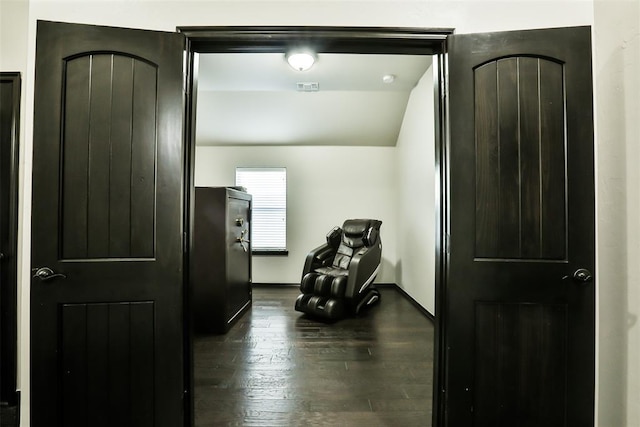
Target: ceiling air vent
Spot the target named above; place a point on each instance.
(308, 86)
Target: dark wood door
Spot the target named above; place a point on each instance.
(106, 318)
(9, 125)
(519, 328)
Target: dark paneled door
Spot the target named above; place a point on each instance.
(107, 291)
(519, 309)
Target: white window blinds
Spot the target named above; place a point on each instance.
(268, 187)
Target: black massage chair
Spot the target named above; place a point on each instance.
(337, 280)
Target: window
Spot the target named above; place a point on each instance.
(268, 187)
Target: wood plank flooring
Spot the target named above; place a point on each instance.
(277, 367)
(8, 416)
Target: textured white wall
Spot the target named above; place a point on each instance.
(617, 77)
(464, 15)
(14, 16)
(416, 195)
(325, 186)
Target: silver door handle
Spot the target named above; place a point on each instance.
(581, 275)
(46, 274)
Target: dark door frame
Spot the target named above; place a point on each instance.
(9, 346)
(363, 40)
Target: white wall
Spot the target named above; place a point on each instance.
(617, 77)
(14, 16)
(325, 186)
(466, 16)
(416, 195)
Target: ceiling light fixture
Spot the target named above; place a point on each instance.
(300, 61)
(389, 78)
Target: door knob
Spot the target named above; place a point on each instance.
(46, 274)
(582, 275)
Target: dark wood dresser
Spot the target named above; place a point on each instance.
(221, 258)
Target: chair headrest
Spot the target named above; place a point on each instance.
(365, 229)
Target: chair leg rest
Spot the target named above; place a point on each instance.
(328, 308)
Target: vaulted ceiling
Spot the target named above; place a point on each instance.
(253, 99)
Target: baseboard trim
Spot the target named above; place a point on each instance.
(404, 293)
(273, 285)
(415, 303)
(385, 285)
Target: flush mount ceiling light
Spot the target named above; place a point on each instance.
(300, 61)
(389, 78)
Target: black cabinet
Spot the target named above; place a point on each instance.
(221, 258)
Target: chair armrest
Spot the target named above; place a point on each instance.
(364, 264)
(319, 257)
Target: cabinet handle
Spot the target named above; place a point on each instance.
(242, 240)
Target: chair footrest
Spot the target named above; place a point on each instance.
(335, 308)
(329, 308)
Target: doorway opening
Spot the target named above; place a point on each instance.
(245, 43)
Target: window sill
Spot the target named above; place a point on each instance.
(274, 252)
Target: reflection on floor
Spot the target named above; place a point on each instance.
(277, 367)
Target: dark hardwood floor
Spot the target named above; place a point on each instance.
(8, 416)
(276, 367)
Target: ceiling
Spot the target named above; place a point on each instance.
(253, 99)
